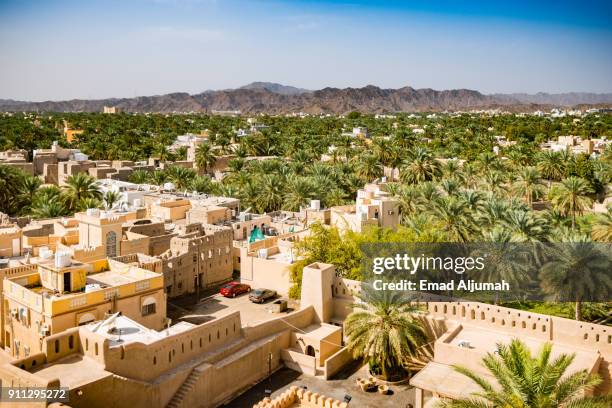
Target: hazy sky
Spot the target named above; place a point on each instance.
(124, 48)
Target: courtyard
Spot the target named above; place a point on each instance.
(343, 384)
(213, 306)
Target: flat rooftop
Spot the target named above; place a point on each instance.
(120, 330)
(443, 379)
(74, 370)
(320, 331)
(487, 340)
(216, 306)
(120, 277)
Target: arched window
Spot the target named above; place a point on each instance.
(111, 244)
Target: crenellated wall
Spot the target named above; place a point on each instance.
(514, 322)
(146, 362)
(300, 397)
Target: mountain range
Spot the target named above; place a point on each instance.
(273, 98)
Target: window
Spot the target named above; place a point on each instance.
(148, 306)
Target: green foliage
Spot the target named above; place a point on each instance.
(343, 249)
(523, 380)
(383, 331)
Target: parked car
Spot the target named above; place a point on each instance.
(261, 295)
(234, 289)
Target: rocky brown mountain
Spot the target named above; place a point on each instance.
(276, 99)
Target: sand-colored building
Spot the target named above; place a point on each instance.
(463, 332)
(374, 206)
(199, 257)
(17, 159)
(10, 241)
(266, 263)
(112, 109)
(121, 362)
(61, 293)
(70, 134)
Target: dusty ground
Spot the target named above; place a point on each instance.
(343, 384)
(214, 306)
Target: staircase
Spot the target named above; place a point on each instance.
(177, 399)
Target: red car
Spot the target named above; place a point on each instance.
(234, 289)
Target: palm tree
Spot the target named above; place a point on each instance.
(29, 187)
(494, 212)
(158, 177)
(383, 331)
(550, 166)
(180, 176)
(450, 186)
(576, 271)
(454, 218)
(205, 156)
(570, 197)
(110, 198)
(202, 184)
(87, 203)
(333, 197)
(368, 167)
(161, 152)
(269, 193)
(525, 226)
(78, 187)
(526, 381)
(506, 260)
(299, 191)
(409, 200)
(11, 180)
(528, 185)
(139, 176)
(602, 227)
(51, 208)
(421, 167)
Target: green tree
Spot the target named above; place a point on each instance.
(29, 187)
(78, 187)
(528, 185)
(383, 331)
(419, 168)
(526, 381)
(205, 156)
(139, 176)
(299, 192)
(570, 197)
(11, 182)
(576, 271)
(110, 198)
(602, 227)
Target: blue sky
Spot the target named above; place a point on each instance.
(96, 49)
